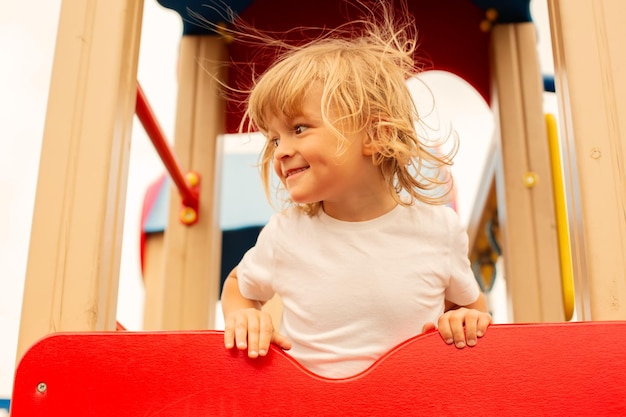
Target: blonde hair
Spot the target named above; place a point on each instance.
(363, 67)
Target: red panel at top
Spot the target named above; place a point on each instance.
(448, 31)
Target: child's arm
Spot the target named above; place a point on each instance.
(245, 325)
(463, 325)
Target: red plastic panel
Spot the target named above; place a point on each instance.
(515, 370)
(449, 39)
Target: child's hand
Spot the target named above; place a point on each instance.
(253, 330)
(462, 326)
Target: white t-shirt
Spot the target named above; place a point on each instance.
(353, 290)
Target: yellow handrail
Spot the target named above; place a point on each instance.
(567, 275)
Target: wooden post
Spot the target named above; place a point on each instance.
(589, 60)
(75, 246)
(524, 181)
(187, 294)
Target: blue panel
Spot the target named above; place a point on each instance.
(4, 405)
(242, 199)
(214, 11)
(548, 83)
(156, 220)
(509, 11)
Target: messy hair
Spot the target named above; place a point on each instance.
(363, 67)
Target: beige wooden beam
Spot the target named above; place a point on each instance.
(189, 290)
(153, 279)
(74, 256)
(590, 61)
(524, 181)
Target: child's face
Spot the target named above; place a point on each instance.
(308, 161)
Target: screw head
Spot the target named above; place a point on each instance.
(530, 179)
(42, 387)
(188, 215)
(192, 178)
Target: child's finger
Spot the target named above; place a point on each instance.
(484, 320)
(229, 334)
(471, 321)
(458, 330)
(445, 330)
(253, 329)
(266, 330)
(281, 341)
(241, 331)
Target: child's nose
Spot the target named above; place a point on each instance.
(284, 149)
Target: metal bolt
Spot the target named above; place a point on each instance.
(530, 179)
(192, 178)
(188, 215)
(595, 153)
(42, 387)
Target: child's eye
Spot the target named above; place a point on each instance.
(299, 129)
(274, 142)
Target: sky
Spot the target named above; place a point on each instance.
(26, 51)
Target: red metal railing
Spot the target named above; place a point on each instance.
(186, 183)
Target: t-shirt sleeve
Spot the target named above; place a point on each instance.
(256, 269)
(463, 288)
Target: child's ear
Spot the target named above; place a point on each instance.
(367, 146)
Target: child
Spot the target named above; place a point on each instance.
(365, 254)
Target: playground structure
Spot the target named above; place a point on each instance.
(75, 251)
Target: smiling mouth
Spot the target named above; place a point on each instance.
(295, 171)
